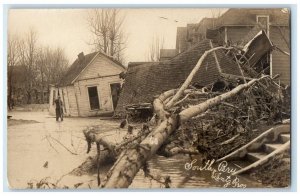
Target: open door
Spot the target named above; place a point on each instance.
(115, 92)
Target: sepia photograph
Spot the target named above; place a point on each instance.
(148, 98)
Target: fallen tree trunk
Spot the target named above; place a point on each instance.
(131, 160)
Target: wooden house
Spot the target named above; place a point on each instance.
(235, 24)
(238, 26)
(90, 87)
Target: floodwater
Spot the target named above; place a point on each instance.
(49, 150)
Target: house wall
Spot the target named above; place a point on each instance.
(72, 103)
(281, 63)
(68, 98)
(104, 95)
(101, 73)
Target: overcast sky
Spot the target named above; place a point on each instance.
(67, 28)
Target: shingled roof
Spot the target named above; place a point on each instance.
(79, 64)
(247, 16)
(144, 82)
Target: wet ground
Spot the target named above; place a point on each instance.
(32, 144)
(41, 148)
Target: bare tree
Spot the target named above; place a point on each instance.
(57, 64)
(28, 49)
(38, 66)
(107, 33)
(216, 13)
(13, 57)
(154, 49)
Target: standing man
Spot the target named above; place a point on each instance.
(59, 109)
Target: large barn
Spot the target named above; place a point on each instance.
(90, 87)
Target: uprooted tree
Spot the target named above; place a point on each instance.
(172, 109)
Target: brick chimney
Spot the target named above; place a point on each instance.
(81, 56)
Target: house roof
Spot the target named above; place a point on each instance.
(79, 65)
(168, 53)
(144, 82)
(247, 16)
(133, 64)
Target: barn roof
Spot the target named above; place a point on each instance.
(247, 16)
(145, 81)
(79, 64)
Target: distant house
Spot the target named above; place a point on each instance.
(193, 33)
(145, 81)
(235, 24)
(238, 26)
(90, 87)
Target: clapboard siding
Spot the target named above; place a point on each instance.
(100, 66)
(104, 94)
(101, 73)
(280, 62)
(71, 101)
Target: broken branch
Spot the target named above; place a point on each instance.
(191, 76)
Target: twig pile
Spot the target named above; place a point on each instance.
(233, 123)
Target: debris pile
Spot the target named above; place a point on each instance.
(234, 122)
(212, 121)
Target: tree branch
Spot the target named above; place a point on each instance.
(191, 76)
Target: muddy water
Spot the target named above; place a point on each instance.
(29, 149)
(183, 178)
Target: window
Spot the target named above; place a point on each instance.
(93, 97)
(263, 21)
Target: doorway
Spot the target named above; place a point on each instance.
(115, 89)
(93, 97)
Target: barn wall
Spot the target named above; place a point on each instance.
(280, 62)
